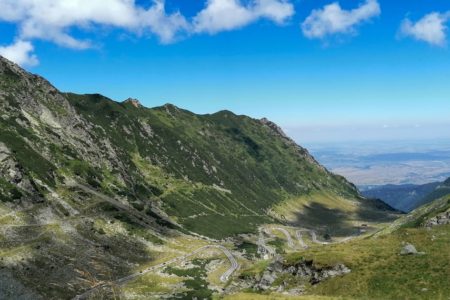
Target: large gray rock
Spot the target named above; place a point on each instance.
(440, 219)
(11, 288)
(304, 269)
(266, 281)
(408, 249)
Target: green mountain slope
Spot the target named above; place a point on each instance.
(194, 168)
(92, 190)
(443, 189)
(379, 269)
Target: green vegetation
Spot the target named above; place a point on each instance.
(9, 192)
(440, 191)
(32, 162)
(94, 190)
(250, 249)
(379, 272)
(195, 283)
(278, 244)
(186, 163)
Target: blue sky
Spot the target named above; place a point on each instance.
(371, 75)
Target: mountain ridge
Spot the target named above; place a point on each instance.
(119, 147)
(84, 178)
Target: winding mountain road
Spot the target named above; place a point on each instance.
(288, 236)
(224, 278)
(299, 235)
(315, 240)
(313, 237)
(262, 247)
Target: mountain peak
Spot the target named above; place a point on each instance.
(134, 102)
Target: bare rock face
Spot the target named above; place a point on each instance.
(134, 102)
(304, 270)
(440, 219)
(277, 131)
(11, 288)
(12, 172)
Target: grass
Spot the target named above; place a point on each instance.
(379, 272)
(418, 216)
(330, 213)
(279, 244)
(262, 170)
(197, 286)
(274, 296)
(32, 162)
(150, 284)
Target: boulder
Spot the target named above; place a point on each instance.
(408, 249)
(440, 219)
(266, 281)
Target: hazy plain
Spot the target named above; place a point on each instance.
(387, 162)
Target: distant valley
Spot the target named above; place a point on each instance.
(391, 162)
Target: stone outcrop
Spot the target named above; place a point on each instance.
(304, 270)
(440, 219)
(134, 102)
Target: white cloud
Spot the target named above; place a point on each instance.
(52, 19)
(431, 28)
(56, 20)
(223, 15)
(21, 52)
(332, 19)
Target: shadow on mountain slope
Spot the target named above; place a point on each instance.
(318, 217)
(373, 210)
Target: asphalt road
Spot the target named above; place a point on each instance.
(288, 236)
(300, 239)
(262, 247)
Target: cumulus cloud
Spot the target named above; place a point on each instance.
(223, 15)
(21, 52)
(55, 20)
(332, 19)
(431, 28)
(52, 19)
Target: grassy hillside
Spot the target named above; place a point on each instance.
(92, 190)
(378, 271)
(443, 189)
(216, 175)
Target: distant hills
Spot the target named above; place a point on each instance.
(407, 197)
(404, 197)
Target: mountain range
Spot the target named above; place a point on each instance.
(106, 199)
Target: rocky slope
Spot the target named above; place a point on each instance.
(222, 167)
(84, 179)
